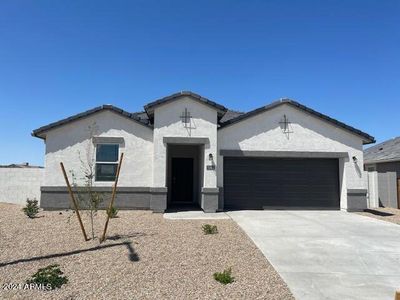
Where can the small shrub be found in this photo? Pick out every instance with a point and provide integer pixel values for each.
(49, 276)
(224, 277)
(112, 212)
(31, 209)
(209, 229)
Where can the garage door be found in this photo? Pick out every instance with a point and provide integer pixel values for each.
(256, 183)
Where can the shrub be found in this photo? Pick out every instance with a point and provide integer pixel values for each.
(209, 229)
(112, 212)
(49, 276)
(224, 277)
(31, 209)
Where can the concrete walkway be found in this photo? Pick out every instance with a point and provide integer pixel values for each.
(328, 254)
(195, 215)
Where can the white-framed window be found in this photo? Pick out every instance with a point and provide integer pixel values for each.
(106, 161)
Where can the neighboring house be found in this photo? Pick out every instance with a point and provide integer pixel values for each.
(19, 182)
(186, 150)
(384, 159)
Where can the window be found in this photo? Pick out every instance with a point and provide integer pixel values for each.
(106, 161)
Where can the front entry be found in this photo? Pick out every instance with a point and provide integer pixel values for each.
(182, 180)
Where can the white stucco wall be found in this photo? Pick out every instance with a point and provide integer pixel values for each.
(167, 123)
(264, 133)
(18, 184)
(67, 143)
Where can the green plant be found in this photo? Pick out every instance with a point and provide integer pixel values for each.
(87, 196)
(49, 276)
(112, 212)
(31, 209)
(224, 277)
(209, 229)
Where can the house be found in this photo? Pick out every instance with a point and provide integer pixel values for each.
(185, 150)
(384, 159)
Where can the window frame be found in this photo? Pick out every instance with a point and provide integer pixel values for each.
(101, 162)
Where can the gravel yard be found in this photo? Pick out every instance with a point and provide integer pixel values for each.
(145, 257)
(383, 213)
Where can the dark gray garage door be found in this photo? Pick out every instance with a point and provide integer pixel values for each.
(255, 183)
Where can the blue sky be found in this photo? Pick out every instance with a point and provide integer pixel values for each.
(58, 58)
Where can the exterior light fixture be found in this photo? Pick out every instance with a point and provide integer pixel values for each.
(355, 159)
(210, 157)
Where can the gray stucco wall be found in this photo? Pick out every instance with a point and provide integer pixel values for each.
(387, 189)
(54, 198)
(389, 167)
(18, 184)
(356, 199)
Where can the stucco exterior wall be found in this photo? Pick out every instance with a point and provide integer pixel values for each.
(71, 142)
(389, 167)
(18, 184)
(263, 132)
(167, 123)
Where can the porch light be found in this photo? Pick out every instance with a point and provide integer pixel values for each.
(355, 159)
(210, 157)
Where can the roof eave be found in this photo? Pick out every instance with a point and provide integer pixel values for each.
(149, 108)
(44, 129)
(367, 139)
(367, 162)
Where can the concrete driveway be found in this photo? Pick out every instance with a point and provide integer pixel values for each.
(328, 254)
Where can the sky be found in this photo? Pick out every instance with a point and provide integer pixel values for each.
(59, 58)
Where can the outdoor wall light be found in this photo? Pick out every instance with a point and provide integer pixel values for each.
(355, 159)
(210, 157)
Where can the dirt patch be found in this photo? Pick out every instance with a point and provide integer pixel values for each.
(145, 257)
(383, 213)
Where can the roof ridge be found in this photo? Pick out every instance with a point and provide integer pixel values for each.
(84, 114)
(304, 108)
(382, 143)
(185, 93)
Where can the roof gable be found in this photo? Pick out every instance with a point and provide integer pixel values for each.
(225, 117)
(149, 108)
(40, 132)
(366, 137)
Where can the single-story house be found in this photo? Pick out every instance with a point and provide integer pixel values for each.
(384, 158)
(186, 150)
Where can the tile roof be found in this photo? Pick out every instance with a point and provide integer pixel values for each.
(38, 132)
(21, 166)
(226, 117)
(386, 151)
(368, 139)
(229, 115)
(148, 107)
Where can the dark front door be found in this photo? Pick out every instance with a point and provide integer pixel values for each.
(182, 180)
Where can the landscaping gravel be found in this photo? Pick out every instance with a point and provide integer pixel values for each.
(145, 257)
(383, 213)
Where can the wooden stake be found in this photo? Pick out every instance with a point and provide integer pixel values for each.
(112, 198)
(73, 201)
(397, 295)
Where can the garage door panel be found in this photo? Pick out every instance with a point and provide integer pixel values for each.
(254, 183)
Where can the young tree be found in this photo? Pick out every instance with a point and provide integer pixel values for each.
(87, 197)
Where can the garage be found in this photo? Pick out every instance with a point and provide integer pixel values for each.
(281, 183)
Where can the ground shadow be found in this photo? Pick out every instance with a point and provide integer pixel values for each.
(378, 213)
(133, 256)
(117, 237)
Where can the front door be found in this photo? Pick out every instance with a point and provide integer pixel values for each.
(182, 180)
